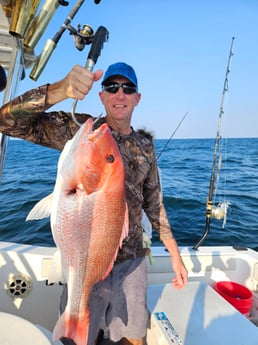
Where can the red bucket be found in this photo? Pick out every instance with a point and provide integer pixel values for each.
(237, 295)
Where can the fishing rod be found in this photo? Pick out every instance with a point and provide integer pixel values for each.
(172, 135)
(86, 33)
(218, 137)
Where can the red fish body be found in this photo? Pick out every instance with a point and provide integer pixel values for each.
(89, 220)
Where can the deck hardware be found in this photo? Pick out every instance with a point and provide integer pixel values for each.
(18, 285)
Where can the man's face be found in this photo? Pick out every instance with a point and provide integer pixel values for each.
(119, 105)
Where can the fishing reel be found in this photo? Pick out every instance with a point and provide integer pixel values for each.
(220, 211)
(82, 36)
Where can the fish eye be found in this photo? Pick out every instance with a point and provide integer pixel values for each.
(110, 159)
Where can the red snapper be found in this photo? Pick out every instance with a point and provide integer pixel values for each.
(89, 220)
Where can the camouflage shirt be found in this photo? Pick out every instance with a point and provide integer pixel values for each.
(26, 117)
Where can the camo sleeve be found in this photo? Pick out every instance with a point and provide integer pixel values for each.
(26, 117)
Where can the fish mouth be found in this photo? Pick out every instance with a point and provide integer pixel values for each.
(93, 135)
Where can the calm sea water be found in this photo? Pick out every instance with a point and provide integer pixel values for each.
(30, 171)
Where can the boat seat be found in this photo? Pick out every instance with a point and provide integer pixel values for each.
(194, 315)
(49, 335)
(15, 330)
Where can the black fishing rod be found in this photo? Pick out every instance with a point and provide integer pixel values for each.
(214, 164)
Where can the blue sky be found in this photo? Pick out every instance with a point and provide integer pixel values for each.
(179, 49)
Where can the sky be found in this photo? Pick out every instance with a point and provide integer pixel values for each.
(179, 50)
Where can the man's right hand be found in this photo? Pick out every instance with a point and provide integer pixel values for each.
(76, 84)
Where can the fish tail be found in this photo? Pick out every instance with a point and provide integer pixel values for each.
(73, 327)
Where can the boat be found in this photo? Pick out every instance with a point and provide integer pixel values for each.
(218, 306)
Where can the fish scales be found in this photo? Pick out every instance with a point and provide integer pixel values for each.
(95, 223)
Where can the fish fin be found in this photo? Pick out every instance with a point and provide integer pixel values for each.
(73, 327)
(124, 234)
(109, 268)
(125, 225)
(42, 209)
(55, 273)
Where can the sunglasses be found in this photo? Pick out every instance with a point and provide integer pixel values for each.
(113, 87)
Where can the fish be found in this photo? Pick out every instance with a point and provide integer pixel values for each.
(88, 218)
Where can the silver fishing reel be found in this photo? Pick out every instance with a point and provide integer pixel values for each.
(82, 36)
(220, 211)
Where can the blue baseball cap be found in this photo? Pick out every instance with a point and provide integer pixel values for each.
(121, 69)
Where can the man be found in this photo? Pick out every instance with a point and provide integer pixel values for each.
(121, 298)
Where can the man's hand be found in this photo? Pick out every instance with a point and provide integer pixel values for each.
(76, 84)
(181, 277)
(178, 265)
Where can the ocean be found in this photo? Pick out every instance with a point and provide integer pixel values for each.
(185, 164)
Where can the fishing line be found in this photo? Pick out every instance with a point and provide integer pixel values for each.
(221, 205)
(96, 119)
(172, 135)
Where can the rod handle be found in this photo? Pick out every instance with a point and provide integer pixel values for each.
(100, 37)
